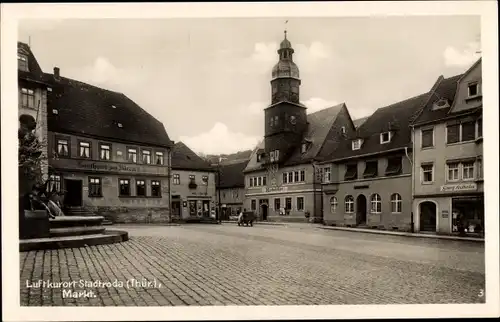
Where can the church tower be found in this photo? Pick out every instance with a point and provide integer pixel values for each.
(285, 118)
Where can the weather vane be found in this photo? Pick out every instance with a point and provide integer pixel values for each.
(285, 27)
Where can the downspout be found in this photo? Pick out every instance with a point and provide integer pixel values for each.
(169, 176)
(314, 190)
(412, 162)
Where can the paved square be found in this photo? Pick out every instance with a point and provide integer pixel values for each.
(260, 265)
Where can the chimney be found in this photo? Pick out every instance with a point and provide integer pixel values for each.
(56, 72)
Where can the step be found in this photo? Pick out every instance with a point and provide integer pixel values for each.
(298, 219)
(75, 221)
(106, 222)
(76, 231)
(108, 237)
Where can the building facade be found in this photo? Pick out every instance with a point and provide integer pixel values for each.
(231, 188)
(106, 154)
(448, 150)
(192, 185)
(367, 182)
(282, 180)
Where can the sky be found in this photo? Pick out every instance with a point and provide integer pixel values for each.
(208, 80)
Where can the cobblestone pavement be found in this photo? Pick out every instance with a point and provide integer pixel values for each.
(260, 265)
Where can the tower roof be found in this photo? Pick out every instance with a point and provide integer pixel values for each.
(285, 43)
(285, 67)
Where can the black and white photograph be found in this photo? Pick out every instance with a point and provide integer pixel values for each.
(278, 160)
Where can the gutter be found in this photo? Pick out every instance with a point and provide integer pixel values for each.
(363, 155)
(450, 117)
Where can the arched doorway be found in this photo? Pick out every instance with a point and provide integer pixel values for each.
(427, 211)
(263, 211)
(361, 210)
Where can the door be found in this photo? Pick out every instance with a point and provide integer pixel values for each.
(264, 208)
(176, 209)
(73, 196)
(427, 212)
(361, 210)
(206, 208)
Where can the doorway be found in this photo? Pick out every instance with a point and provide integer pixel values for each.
(176, 208)
(361, 210)
(263, 209)
(427, 211)
(73, 195)
(206, 208)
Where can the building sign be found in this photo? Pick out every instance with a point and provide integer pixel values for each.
(459, 187)
(87, 165)
(444, 213)
(107, 167)
(275, 189)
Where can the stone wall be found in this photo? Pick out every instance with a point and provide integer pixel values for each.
(133, 215)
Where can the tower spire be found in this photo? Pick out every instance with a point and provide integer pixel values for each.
(285, 27)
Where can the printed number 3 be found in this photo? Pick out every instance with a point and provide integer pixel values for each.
(481, 293)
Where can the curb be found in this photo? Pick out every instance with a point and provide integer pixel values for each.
(382, 232)
(257, 223)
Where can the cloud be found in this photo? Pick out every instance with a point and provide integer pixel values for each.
(462, 57)
(315, 104)
(220, 139)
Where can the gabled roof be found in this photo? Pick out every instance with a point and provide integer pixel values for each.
(183, 158)
(394, 117)
(360, 121)
(34, 72)
(252, 164)
(90, 110)
(232, 176)
(446, 89)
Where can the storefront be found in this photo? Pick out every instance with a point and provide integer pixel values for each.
(468, 214)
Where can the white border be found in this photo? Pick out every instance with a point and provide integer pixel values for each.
(10, 286)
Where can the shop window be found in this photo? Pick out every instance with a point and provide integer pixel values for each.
(427, 173)
(62, 148)
(300, 203)
(333, 205)
(394, 166)
(105, 152)
(27, 98)
(376, 203)
(288, 203)
(427, 138)
(95, 187)
(371, 169)
(396, 203)
(140, 186)
(155, 188)
(349, 204)
(453, 171)
(468, 170)
(132, 155)
(176, 179)
(84, 150)
(351, 172)
(124, 187)
(146, 156)
(159, 158)
(192, 207)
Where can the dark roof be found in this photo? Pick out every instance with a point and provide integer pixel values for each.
(359, 122)
(90, 110)
(183, 158)
(232, 176)
(230, 158)
(446, 89)
(34, 72)
(394, 117)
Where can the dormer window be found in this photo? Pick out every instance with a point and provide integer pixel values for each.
(356, 144)
(119, 125)
(385, 137)
(342, 130)
(442, 103)
(22, 62)
(473, 89)
(259, 157)
(55, 112)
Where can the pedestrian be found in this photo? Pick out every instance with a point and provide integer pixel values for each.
(240, 216)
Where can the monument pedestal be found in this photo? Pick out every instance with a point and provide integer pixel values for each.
(34, 224)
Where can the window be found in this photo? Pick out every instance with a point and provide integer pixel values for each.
(285, 177)
(479, 162)
(140, 188)
(468, 170)
(427, 138)
(349, 204)
(288, 203)
(356, 144)
(296, 176)
(371, 169)
(277, 204)
(385, 137)
(302, 175)
(27, 98)
(192, 177)
(204, 180)
(427, 173)
(132, 155)
(473, 89)
(452, 133)
(146, 156)
(293, 119)
(290, 177)
(468, 131)
(259, 181)
(176, 179)
(105, 152)
(55, 183)
(159, 158)
(62, 148)
(300, 203)
(376, 202)
(480, 127)
(351, 172)
(394, 166)
(396, 203)
(124, 187)
(453, 171)
(155, 188)
(250, 182)
(84, 150)
(264, 181)
(22, 62)
(333, 205)
(327, 175)
(271, 121)
(253, 205)
(276, 120)
(276, 155)
(95, 187)
(342, 130)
